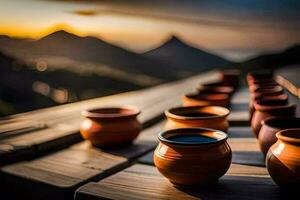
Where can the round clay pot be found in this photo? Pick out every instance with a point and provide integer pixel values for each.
(230, 77)
(270, 126)
(282, 99)
(259, 76)
(192, 156)
(283, 159)
(109, 127)
(215, 90)
(263, 93)
(198, 116)
(269, 108)
(255, 87)
(197, 99)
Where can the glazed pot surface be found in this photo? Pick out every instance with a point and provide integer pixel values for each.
(283, 158)
(111, 127)
(267, 134)
(187, 161)
(197, 116)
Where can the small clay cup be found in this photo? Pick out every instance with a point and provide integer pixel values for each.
(197, 163)
(283, 159)
(282, 99)
(259, 76)
(255, 87)
(214, 117)
(110, 127)
(196, 99)
(269, 108)
(215, 90)
(270, 126)
(230, 77)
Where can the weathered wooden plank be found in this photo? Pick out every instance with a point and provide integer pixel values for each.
(144, 182)
(57, 175)
(61, 123)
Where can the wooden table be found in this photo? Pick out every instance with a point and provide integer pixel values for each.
(54, 162)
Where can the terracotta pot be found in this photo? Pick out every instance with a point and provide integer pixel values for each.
(269, 108)
(188, 162)
(202, 99)
(230, 77)
(283, 159)
(217, 83)
(108, 127)
(259, 76)
(255, 87)
(215, 90)
(263, 93)
(282, 99)
(198, 116)
(270, 126)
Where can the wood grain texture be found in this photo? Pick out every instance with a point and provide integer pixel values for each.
(57, 175)
(57, 127)
(144, 183)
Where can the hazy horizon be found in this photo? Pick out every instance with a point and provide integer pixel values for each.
(235, 29)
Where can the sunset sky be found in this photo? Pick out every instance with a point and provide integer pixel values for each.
(246, 25)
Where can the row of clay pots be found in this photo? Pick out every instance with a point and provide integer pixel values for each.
(216, 94)
(197, 128)
(272, 119)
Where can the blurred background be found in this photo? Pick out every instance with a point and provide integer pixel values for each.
(54, 52)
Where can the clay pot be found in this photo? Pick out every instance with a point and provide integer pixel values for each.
(269, 108)
(283, 159)
(230, 77)
(202, 99)
(255, 87)
(259, 76)
(215, 90)
(270, 126)
(198, 116)
(192, 162)
(282, 99)
(108, 127)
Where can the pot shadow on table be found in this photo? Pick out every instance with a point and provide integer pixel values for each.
(241, 187)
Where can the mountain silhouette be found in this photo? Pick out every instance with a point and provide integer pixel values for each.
(273, 61)
(183, 56)
(89, 49)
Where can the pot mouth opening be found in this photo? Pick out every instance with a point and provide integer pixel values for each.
(269, 89)
(272, 102)
(289, 135)
(215, 89)
(283, 122)
(273, 96)
(111, 112)
(192, 136)
(197, 112)
(208, 96)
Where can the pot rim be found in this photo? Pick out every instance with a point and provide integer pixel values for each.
(269, 89)
(215, 89)
(193, 131)
(169, 113)
(266, 108)
(275, 96)
(286, 135)
(92, 112)
(203, 96)
(267, 121)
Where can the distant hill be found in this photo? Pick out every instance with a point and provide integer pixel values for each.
(273, 61)
(182, 56)
(87, 49)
